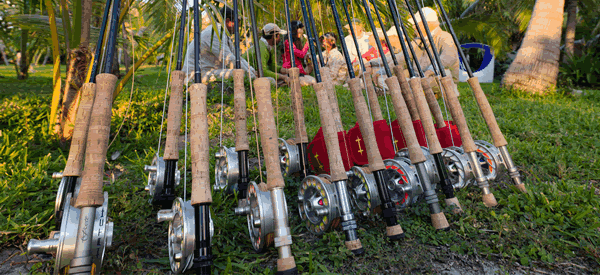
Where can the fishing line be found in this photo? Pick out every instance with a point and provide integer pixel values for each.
(222, 73)
(185, 134)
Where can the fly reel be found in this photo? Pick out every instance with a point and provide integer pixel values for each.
(459, 168)
(363, 190)
(181, 235)
(490, 158)
(227, 169)
(259, 214)
(157, 178)
(61, 194)
(289, 157)
(63, 242)
(404, 185)
(318, 204)
(430, 167)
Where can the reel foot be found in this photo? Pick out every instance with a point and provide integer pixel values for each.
(395, 233)
(457, 207)
(439, 221)
(489, 200)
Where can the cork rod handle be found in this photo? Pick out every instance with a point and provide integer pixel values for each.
(366, 126)
(239, 103)
(457, 115)
(434, 106)
(330, 88)
(427, 121)
(373, 101)
(414, 150)
(406, 93)
(90, 193)
(80, 131)
(199, 145)
(174, 116)
(268, 133)
(329, 132)
(486, 111)
(298, 106)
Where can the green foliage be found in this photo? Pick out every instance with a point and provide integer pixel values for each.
(582, 70)
(557, 221)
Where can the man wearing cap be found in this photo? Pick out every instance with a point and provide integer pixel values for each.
(443, 42)
(362, 38)
(270, 37)
(217, 58)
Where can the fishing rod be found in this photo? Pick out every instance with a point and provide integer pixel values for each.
(266, 208)
(435, 148)
(70, 177)
(468, 144)
(394, 230)
(63, 241)
(72, 244)
(324, 210)
(163, 173)
(486, 110)
(190, 223)
(437, 215)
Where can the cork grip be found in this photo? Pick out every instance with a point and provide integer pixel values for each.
(239, 104)
(427, 121)
(329, 132)
(373, 101)
(457, 115)
(82, 123)
(434, 106)
(333, 102)
(402, 113)
(298, 109)
(366, 126)
(199, 145)
(268, 133)
(90, 192)
(174, 116)
(406, 93)
(487, 112)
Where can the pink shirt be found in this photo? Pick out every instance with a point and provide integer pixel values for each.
(298, 54)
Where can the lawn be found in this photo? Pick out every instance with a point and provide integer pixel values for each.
(553, 228)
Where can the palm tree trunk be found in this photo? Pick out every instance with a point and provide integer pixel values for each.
(535, 67)
(23, 71)
(570, 31)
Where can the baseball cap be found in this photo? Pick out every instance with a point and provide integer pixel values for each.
(430, 16)
(272, 28)
(354, 21)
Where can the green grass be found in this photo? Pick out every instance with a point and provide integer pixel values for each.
(553, 139)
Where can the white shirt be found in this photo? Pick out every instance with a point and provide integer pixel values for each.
(363, 45)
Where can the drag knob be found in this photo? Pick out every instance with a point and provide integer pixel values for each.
(165, 215)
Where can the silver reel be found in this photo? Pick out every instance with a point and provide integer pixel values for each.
(459, 168)
(259, 214)
(156, 176)
(63, 242)
(363, 190)
(227, 169)
(430, 167)
(490, 158)
(289, 157)
(182, 234)
(318, 204)
(61, 195)
(404, 184)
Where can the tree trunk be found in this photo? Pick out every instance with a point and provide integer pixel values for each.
(86, 16)
(570, 31)
(535, 67)
(75, 79)
(23, 62)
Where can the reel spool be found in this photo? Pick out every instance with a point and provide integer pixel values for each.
(61, 196)
(318, 204)
(430, 167)
(404, 185)
(459, 169)
(181, 235)
(227, 169)
(259, 214)
(289, 157)
(156, 177)
(63, 242)
(490, 158)
(363, 190)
